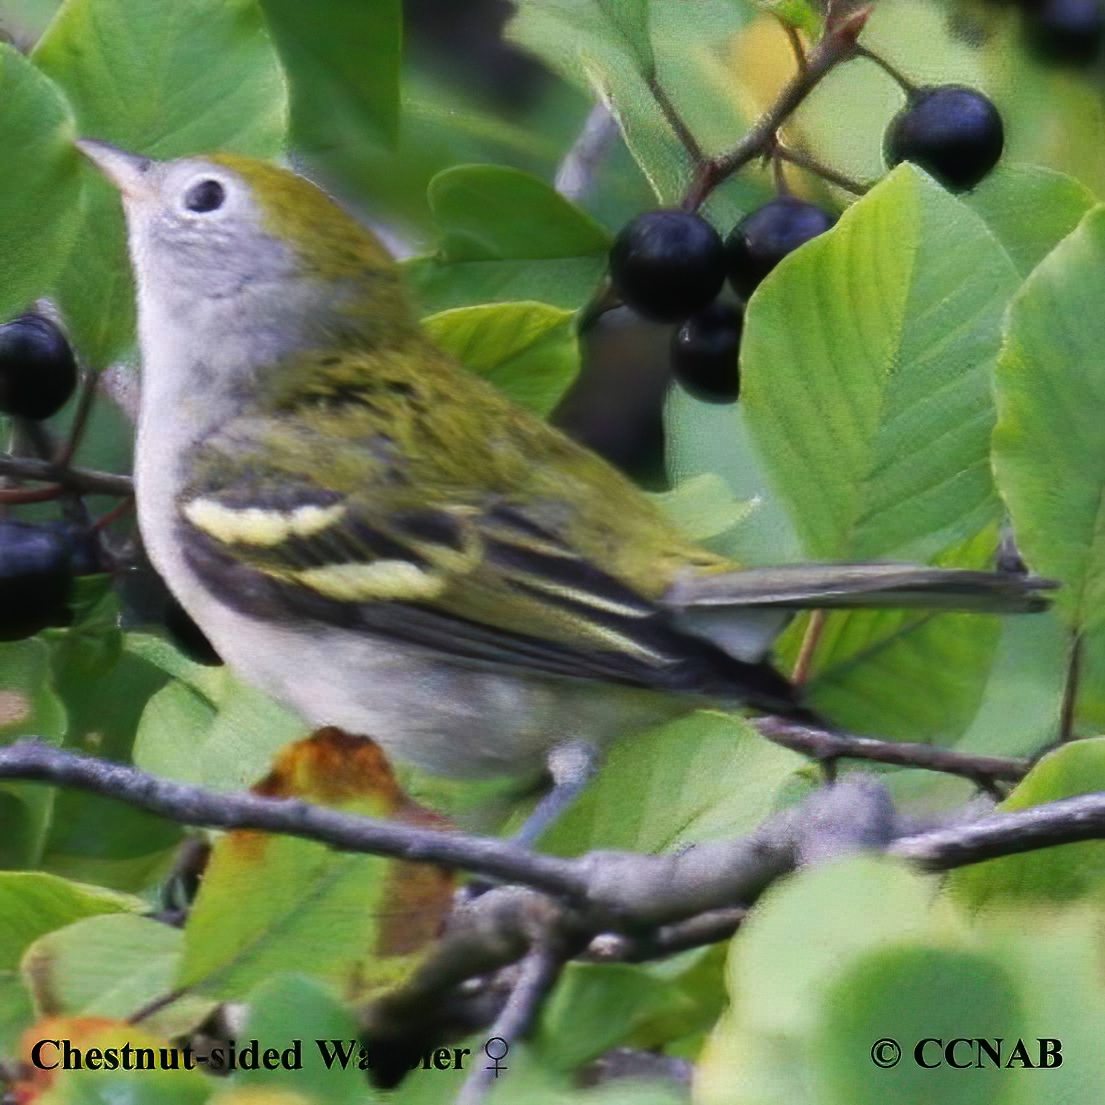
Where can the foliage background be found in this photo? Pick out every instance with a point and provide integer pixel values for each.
(877, 362)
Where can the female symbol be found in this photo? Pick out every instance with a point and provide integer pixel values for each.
(499, 1043)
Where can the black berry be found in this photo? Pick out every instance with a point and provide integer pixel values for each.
(765, 236)
(952, 132)
(37, 370)
(667, 264)
(188, 637)
(35, 574)
(704, 353)
(1068, 32)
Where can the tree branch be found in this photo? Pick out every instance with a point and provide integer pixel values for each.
(1006, 834)
(74, 479)
(836, 46)
(192, 805)
(539, 971)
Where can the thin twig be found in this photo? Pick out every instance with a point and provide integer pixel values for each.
(810, 639)
(538, 974)
(73, 479)
(796, 45)
(823, 745)
(838, 45)
(120, 510)
(903, 82)
(1006, 834)
(17, 496)
(812, 165)
(1070, 689)
(80, 420)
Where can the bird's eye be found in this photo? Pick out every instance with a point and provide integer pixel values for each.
(207, 195)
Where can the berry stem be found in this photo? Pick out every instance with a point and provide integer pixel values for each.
(80, 420)
(796, 45)
(814, 628)
(906, 85)
(18, 496)
(119, 510)
(1070, 689)
(836, 46)
(812, 165)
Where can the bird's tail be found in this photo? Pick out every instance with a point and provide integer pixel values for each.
(742, 612)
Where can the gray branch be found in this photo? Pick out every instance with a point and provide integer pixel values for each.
(75, 479)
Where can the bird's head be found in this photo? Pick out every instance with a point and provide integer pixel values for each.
(223, 239)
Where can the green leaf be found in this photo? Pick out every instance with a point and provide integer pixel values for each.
(527, 350)
(580, 40)
(342, 61)
(630, 19)
(289, 1007)
(566, 282)
(715, 439)
(495, 213)
(866, 363)
(505, 235)
(105, 690)
(781, 966)
(112, 966)
(703, 506)
(33, 903)
(904, 674)
(221, 734)
(1029, 210)
(1060, 874)
(596, 1006)
(29, 705)
(165, 78)
(40, 189)
(706, 776)
(794, 13)
(1049, 443)
(910, 994)
(357, 922)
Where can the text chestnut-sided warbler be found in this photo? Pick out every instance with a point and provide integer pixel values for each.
(383, 541)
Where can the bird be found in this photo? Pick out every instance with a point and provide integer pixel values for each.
(381, 540)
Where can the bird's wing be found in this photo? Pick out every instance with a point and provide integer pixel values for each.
(471, 575)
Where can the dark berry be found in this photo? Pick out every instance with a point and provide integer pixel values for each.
(953, 133)
(667, 264)
(35, 574)
(188, 637)
(704, 353)
(765, 236)
(37, 370)
(1067, 32)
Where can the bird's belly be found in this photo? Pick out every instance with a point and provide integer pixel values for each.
(447, 717)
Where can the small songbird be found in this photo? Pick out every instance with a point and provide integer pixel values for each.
(382, 540)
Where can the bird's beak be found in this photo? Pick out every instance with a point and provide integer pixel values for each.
(127, 171)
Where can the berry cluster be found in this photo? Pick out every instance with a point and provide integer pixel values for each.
(38, 374)
(670, 266)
